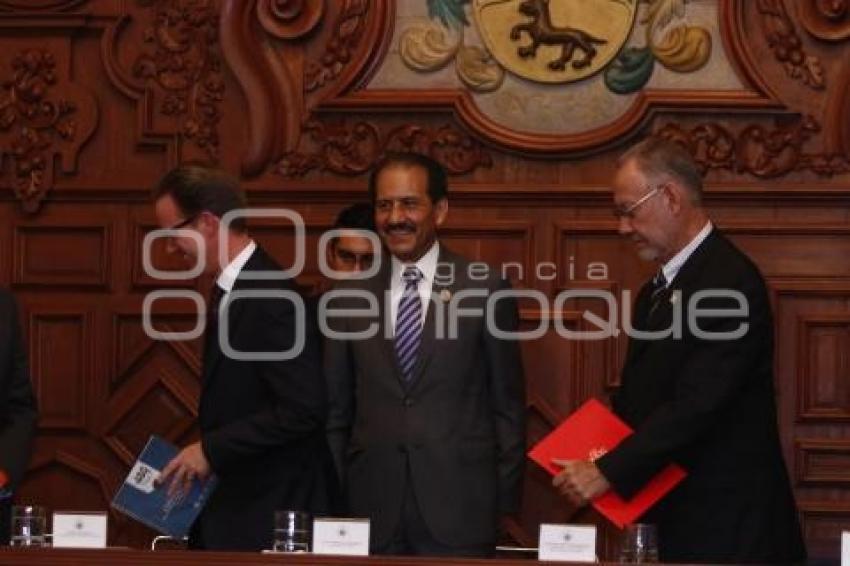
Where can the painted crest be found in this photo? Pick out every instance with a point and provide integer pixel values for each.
(554, 41)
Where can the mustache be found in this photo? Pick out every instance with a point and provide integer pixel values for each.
(400, 227)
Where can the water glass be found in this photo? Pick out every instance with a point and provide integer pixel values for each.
(29, 525)
(293, 531)
(640, 544)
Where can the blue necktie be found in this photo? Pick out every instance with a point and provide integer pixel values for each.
(408, 322)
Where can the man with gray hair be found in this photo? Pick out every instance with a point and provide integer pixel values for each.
(703, 399)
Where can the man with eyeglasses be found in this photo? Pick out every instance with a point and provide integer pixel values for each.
(262, 420)
(703, 400)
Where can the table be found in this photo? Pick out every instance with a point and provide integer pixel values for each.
(127, 557)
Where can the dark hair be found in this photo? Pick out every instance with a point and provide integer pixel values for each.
(360, 216)
(438, 185)
(656, 156)
(196, 189)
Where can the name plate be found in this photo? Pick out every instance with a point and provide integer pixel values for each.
(567, 543)
(845, 548)
(347, 537)
(79, 530)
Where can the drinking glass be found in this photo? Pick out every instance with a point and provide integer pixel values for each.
(292, 531)
(640, 544)
(29, 525)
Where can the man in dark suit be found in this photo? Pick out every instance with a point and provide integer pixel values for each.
(703, 399)
(427, 428)
(18, 413)
(262, 417)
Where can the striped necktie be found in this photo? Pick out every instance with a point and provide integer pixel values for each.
(408, 322)
(659, 286)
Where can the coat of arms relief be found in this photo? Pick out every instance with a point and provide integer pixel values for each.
(556, 41)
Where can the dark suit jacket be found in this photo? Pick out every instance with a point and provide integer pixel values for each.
(262, 422)
(18, 412)
(458, 427)
(709, 406)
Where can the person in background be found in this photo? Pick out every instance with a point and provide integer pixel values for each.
(18, 410)
(351, 251)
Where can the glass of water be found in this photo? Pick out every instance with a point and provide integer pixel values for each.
(640, 544)
(29, 526)
(293, 531)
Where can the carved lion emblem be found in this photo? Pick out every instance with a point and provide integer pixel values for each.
(554, 41)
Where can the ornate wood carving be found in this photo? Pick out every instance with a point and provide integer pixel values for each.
(41, 116)
(183, 63)
(826, 19)
(352, 149)
(786, 45)
(348, 31)
(274, 104)
(287, 19)
(756, 150)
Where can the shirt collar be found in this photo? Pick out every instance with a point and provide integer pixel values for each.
(228, 275)
(672, 267)
(427, 264)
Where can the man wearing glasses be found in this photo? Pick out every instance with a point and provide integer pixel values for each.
(703, 401)
(262, 421)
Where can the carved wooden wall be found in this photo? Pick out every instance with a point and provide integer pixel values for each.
(100, 97)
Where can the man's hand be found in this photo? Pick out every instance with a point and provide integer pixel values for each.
(579, 481)
(189, 464)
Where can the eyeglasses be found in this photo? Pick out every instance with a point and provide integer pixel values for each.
(183, 223)
(629, 211)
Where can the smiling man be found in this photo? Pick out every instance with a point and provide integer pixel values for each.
(428, 430)
(262, 421)
(705, 402)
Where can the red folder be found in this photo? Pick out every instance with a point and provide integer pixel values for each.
(586, 435)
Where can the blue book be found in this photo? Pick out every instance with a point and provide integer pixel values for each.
(145, 501)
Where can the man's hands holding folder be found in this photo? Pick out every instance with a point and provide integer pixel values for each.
(579, 481)
(189, 464)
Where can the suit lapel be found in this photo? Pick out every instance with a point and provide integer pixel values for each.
(682, 286)
(213, 353)
(380, 286)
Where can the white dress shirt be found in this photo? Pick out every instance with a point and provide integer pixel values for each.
(672, 267)
(228, 275)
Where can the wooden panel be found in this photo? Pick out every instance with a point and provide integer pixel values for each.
(824, 377)
(810, 251)
(822, 526)
(56, 256)
(823, 462)
(505, 245)
(61, 352)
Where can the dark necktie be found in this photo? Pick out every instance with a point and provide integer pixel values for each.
(216, 295)
(408, 322)
(659, 288)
